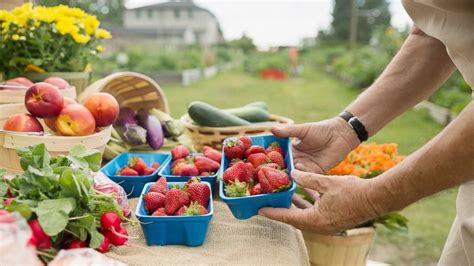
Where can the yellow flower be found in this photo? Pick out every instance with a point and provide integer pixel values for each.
(15, 37)
(80, 38)
(91, 24)
(33, 68)
(66, 26)
(100, 48)
(103, 34)
(5, 15)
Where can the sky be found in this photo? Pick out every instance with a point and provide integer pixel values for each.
(276, 22)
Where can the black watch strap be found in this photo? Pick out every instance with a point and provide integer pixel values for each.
(355, 124)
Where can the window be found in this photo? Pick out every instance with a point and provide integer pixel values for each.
(176, 13)
(150, 13)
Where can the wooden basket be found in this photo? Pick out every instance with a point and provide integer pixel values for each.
(18, 96)
(56, 145)
(79, 80)
(214, 136)
(350, 249)
(131, 89)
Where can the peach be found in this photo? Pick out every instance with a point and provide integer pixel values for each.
(23, 123)
(12, 83)
(23, 81)
(60, 83)
(75, 120)
(44, 100)
(51, 121)
(104, 107)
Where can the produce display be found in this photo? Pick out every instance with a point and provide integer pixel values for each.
(189, 200)
(186, 164)
(22, 83)
(253, 169)
(137, 167)
(207, 115)
(58, 198)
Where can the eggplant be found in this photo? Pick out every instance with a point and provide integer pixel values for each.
(154, 131)
(171, 128)
(127, 116)
(128, 128)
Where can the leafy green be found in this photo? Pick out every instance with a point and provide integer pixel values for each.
(85, 158)
(3, 188)
(53, 214)
(21, 208)
(36, 156)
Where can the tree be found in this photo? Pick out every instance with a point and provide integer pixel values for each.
(245, 44)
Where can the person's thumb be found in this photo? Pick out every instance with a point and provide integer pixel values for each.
(297, 131)
(320, 183)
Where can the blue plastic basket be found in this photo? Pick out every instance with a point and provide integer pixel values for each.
(133, 185)
(246, 207)
(173, 230)
(166, 171)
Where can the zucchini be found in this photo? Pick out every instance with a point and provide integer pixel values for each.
(252, 114)
(260, 104)
(207, 115)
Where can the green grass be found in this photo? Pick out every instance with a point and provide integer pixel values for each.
(316, 96)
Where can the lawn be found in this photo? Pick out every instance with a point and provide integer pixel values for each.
(313, 97)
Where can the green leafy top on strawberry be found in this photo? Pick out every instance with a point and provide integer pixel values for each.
(236, 189)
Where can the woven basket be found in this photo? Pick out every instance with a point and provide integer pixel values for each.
(214, 136)
(350, 249)
(79, 80)
(56, 145)
(18, 96)
(131, 89)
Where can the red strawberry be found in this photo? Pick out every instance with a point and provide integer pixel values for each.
(160, 186)
(256, 190)
(257, 159)
(237, 172)
(193, 209)
(153, 201)
(236, 189)
(148, 171)
(277, 158)
(180, 212)
(179, 152)
(155, 165)
(212, 154)
(234, 149)
(204, 174)
(200, 193)
(250, 172)
(272, 165)
(204, 164)
(127, 171)
(272, 180)
(177, 162)
(160, 212)
(254, 149)
(275, 146)
(247, 141)
(138, 165)
(175, 199)
(234, 161)
(191, 181)
(189, 170)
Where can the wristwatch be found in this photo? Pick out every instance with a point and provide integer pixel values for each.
(355, 124)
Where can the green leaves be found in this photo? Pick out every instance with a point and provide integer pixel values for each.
(53, 214)
(36, 156)
(84, 158)
(75, 183)
(84, 225)
(394, 222)
(22, 208)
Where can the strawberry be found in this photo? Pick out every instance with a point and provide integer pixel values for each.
(192, 180)
(257, 159)
(250, 172)
(160, 186)
(155, 165)
(204, 164)
(179, 152)
(234, 161)
(177, 162)
(234, 149)
(237, 172)
(189, 170)
(272, 165)
(181, 211)
(200, 193)
(212, 154)
(275, 146)
(127, 171)
(236, 189)
(256, 190)
(277, 158)
(254, 149)
(153, 201)
(148, 171)
(138, 165)
(175, 199)
(204, 174)
(272, 180)
(247, 141)
(160, 212)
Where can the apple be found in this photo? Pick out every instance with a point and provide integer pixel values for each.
(43, 100)
(104, 107)
(75, 120)
(51, 121)
(23, 123)
(60, 83)
(23, 81)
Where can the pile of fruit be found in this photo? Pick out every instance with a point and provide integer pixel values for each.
(187, 164)
(254, 169)
(192, 199)
(62, 115)
(22, 83)
(137, 167)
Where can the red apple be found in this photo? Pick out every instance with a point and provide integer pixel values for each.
(104, 107)
(23, 123)
(43, 100)
(23, 81)
(60, 83)
(75, 120)
(51, 121)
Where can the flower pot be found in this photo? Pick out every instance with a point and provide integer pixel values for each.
(79, 80)
(352, 248)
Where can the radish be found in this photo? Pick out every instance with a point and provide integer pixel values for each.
(117, 237)
(110, 220)
(104, 246)
(43, 240)
(8, 201)
(75, 244)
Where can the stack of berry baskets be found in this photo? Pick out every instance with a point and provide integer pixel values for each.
(256, 174)
(185, 165)
(175, 213)
(133, 170)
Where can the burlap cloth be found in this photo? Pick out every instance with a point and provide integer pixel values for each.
(256, 241)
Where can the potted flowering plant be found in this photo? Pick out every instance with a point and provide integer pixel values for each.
(352, 246)
(44, 41)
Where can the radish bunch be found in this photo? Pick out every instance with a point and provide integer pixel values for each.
(112, 230)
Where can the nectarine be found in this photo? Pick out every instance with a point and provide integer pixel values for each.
(23, 81)
(43, 100)
(75, 120)
(60, 83)
(104, 107)
(23, 123)
(51, 121)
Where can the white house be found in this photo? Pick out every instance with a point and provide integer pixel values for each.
(174, 22)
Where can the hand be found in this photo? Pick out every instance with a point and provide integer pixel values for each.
(321, 145)
(342, 203)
